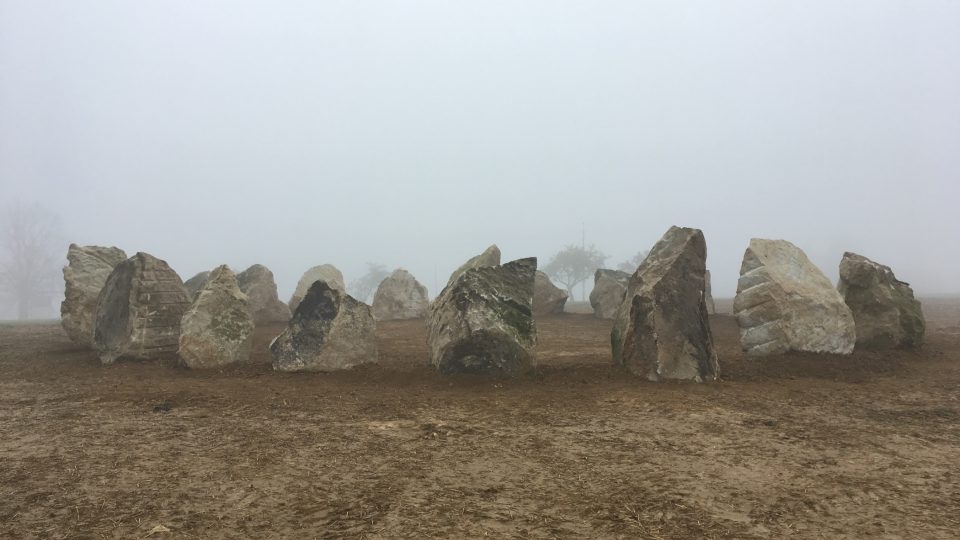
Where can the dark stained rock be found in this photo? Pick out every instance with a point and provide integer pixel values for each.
(662, 330)
(483, 321)
(327, 273)
(609, 286)
(194, 284)
(548, 299)
(884, 309)
(87, 270)
(217, 330)
(139, 310)
(400, 296)
(258, 284)
(330, 330)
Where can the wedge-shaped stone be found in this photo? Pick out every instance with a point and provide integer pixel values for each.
(886, 313)
(548, 299)
(489, 257)
(87, 270)
(609, 286)
(258, 284)
(327, 273)
(217, 330)
(400, 296)
(662, 329)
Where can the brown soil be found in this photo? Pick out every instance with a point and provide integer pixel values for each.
(807, 446)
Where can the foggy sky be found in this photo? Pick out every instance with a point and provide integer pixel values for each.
(417, 133)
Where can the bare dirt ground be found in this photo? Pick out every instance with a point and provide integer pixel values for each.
(803, 446)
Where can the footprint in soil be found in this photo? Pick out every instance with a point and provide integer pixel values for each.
(163, 407)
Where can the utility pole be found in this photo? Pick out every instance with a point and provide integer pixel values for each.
(583, 246)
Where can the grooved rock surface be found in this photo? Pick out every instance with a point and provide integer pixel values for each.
(217, 330)
(194, 284)
(785, 303)
(400, 296)
(609, 286)
(489, 257)
(884, 309)
(327, 273)
(330, 330)
(139, 310)
(708, 293)
(87, 270)
(548, 299)
(662, 329)
(483, 322)
(258, 284)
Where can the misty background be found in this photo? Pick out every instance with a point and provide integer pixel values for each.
(415, 134)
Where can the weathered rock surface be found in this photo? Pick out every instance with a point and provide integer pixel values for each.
(708, 293)
(327, 273)
(884, 309)
(217, 330)
(330, 330)
(483, 322)
(785, 303)
(258, 284)
(609, 286)
(489, 257)
(87, 270)
(194, 284)
(662, 329)
(548, 299)
(400, 296)
(139, 310)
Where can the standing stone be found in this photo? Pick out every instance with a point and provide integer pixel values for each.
(88, 268)
(785, 303)
(662, 330)
(483, 322)
(327, 273)
(194, 284)
(217, 330)
(609, 286)
(708, 292)
(884, 309)
(400, 296)
(330, 330)
(139, 310)
(258, 284)
(548, 299)
(489, 257)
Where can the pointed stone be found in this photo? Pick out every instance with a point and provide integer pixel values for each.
(489, 257)
(139, 310)
(258, 284)
(785, 303)
(327, 273)
(400, 296)
(609, 286)
(87, 270)
(194, 284)
(330, 330)
(483, 321)
(548, 299)
(662, 330)
(217, 330)
(885, 311)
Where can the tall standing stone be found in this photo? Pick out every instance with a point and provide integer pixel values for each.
(483, 321)
(139, 310)
(662, 329)
(400, 296)
(708, 293)
(330, 330)
(548, 299)
(258, 284)
(217, 330)
(87, 270)
(785, 303)
(194, 284)
(489, 257)
(609, 286)
(884, 308)
(327, 273)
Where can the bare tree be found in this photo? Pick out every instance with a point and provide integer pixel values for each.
(574, 264)
(30, 256)
(364, 287)
(630, 265)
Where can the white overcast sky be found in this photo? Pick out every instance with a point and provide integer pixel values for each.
(416, 133)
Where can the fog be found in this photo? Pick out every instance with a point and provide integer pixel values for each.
(415, 134)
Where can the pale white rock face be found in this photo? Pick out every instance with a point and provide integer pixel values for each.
(87, 270)
(489, 257)
(329, 331)
(327, 273)
(609, 286)
(785, 303)
(400, 296)
(139, 310)
(217, 330)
